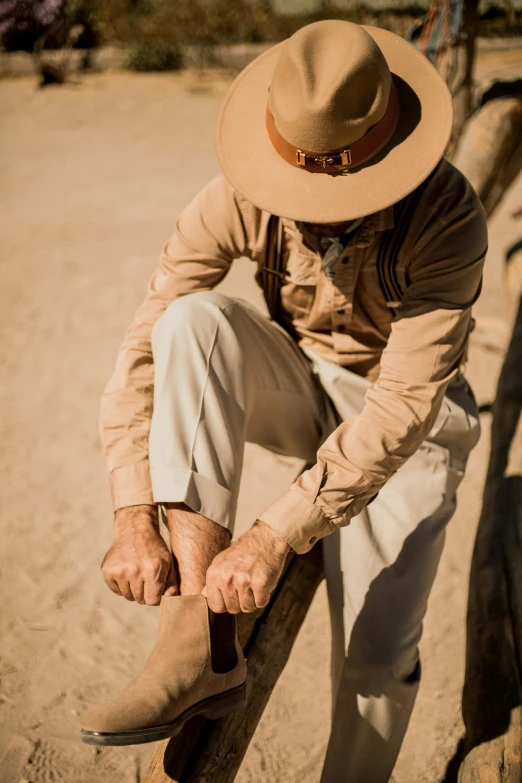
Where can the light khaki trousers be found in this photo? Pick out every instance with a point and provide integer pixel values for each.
(225, 375)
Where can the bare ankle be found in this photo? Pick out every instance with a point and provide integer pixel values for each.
(195, 542)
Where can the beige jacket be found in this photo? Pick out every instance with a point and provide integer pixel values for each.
(410, 353)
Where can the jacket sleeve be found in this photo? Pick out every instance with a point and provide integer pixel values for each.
(427, 344)
(208, 235)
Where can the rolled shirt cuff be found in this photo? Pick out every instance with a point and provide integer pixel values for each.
(131, 486)
(298, 521)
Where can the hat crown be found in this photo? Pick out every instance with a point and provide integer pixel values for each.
(330, 85)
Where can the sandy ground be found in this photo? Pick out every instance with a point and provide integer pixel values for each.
(92, 177)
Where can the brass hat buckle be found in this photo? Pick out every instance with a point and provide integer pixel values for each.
(343, 158)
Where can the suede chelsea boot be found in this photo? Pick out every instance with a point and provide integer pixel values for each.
(177, 682)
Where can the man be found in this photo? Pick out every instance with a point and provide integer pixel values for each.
(340, 131)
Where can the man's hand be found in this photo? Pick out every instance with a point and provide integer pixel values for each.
(139, 565)
(242, 577)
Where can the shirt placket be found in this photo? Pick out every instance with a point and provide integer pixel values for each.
(342, 299)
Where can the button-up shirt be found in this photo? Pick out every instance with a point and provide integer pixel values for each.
(410, 353)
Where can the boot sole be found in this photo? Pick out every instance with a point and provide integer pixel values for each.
(213, 708)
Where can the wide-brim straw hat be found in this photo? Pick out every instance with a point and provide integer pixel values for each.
(338, 121)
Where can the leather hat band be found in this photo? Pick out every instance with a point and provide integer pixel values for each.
(343, 158)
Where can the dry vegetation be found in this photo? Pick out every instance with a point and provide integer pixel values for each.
(164, 26)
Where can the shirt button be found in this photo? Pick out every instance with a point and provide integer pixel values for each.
(341, 328)
(313, 540)
(345, 261)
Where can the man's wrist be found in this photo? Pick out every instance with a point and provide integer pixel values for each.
(276, 540)
(145, 516)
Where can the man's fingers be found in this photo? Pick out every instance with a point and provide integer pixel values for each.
(152, 592)
(214, 599)
(155, 586)
(261, 594)
(244, 592)
(231, 599)
(138, 590)
(125, 590)
(171, 582)
(247, 602)
(212, 591)
(262, 599)
(110, 580)
(113, 585)
(221, 580)
(231, 592)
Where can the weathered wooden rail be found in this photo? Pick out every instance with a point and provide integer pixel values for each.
(490, 148)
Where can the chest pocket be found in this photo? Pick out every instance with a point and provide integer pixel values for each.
(299, 284)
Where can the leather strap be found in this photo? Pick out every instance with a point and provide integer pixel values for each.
(344, 158)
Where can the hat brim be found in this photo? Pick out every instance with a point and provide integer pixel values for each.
(258, 173)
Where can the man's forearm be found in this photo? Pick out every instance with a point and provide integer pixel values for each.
(142, 514)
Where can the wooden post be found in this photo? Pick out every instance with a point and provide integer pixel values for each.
(461, 77)
(211, 751)
(513, 277)
(453, 53)
(490, 149)
(492, 697)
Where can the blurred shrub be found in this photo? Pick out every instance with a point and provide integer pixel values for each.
(205, 23)
(155, 57)
(192, 22)
(499, 21)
